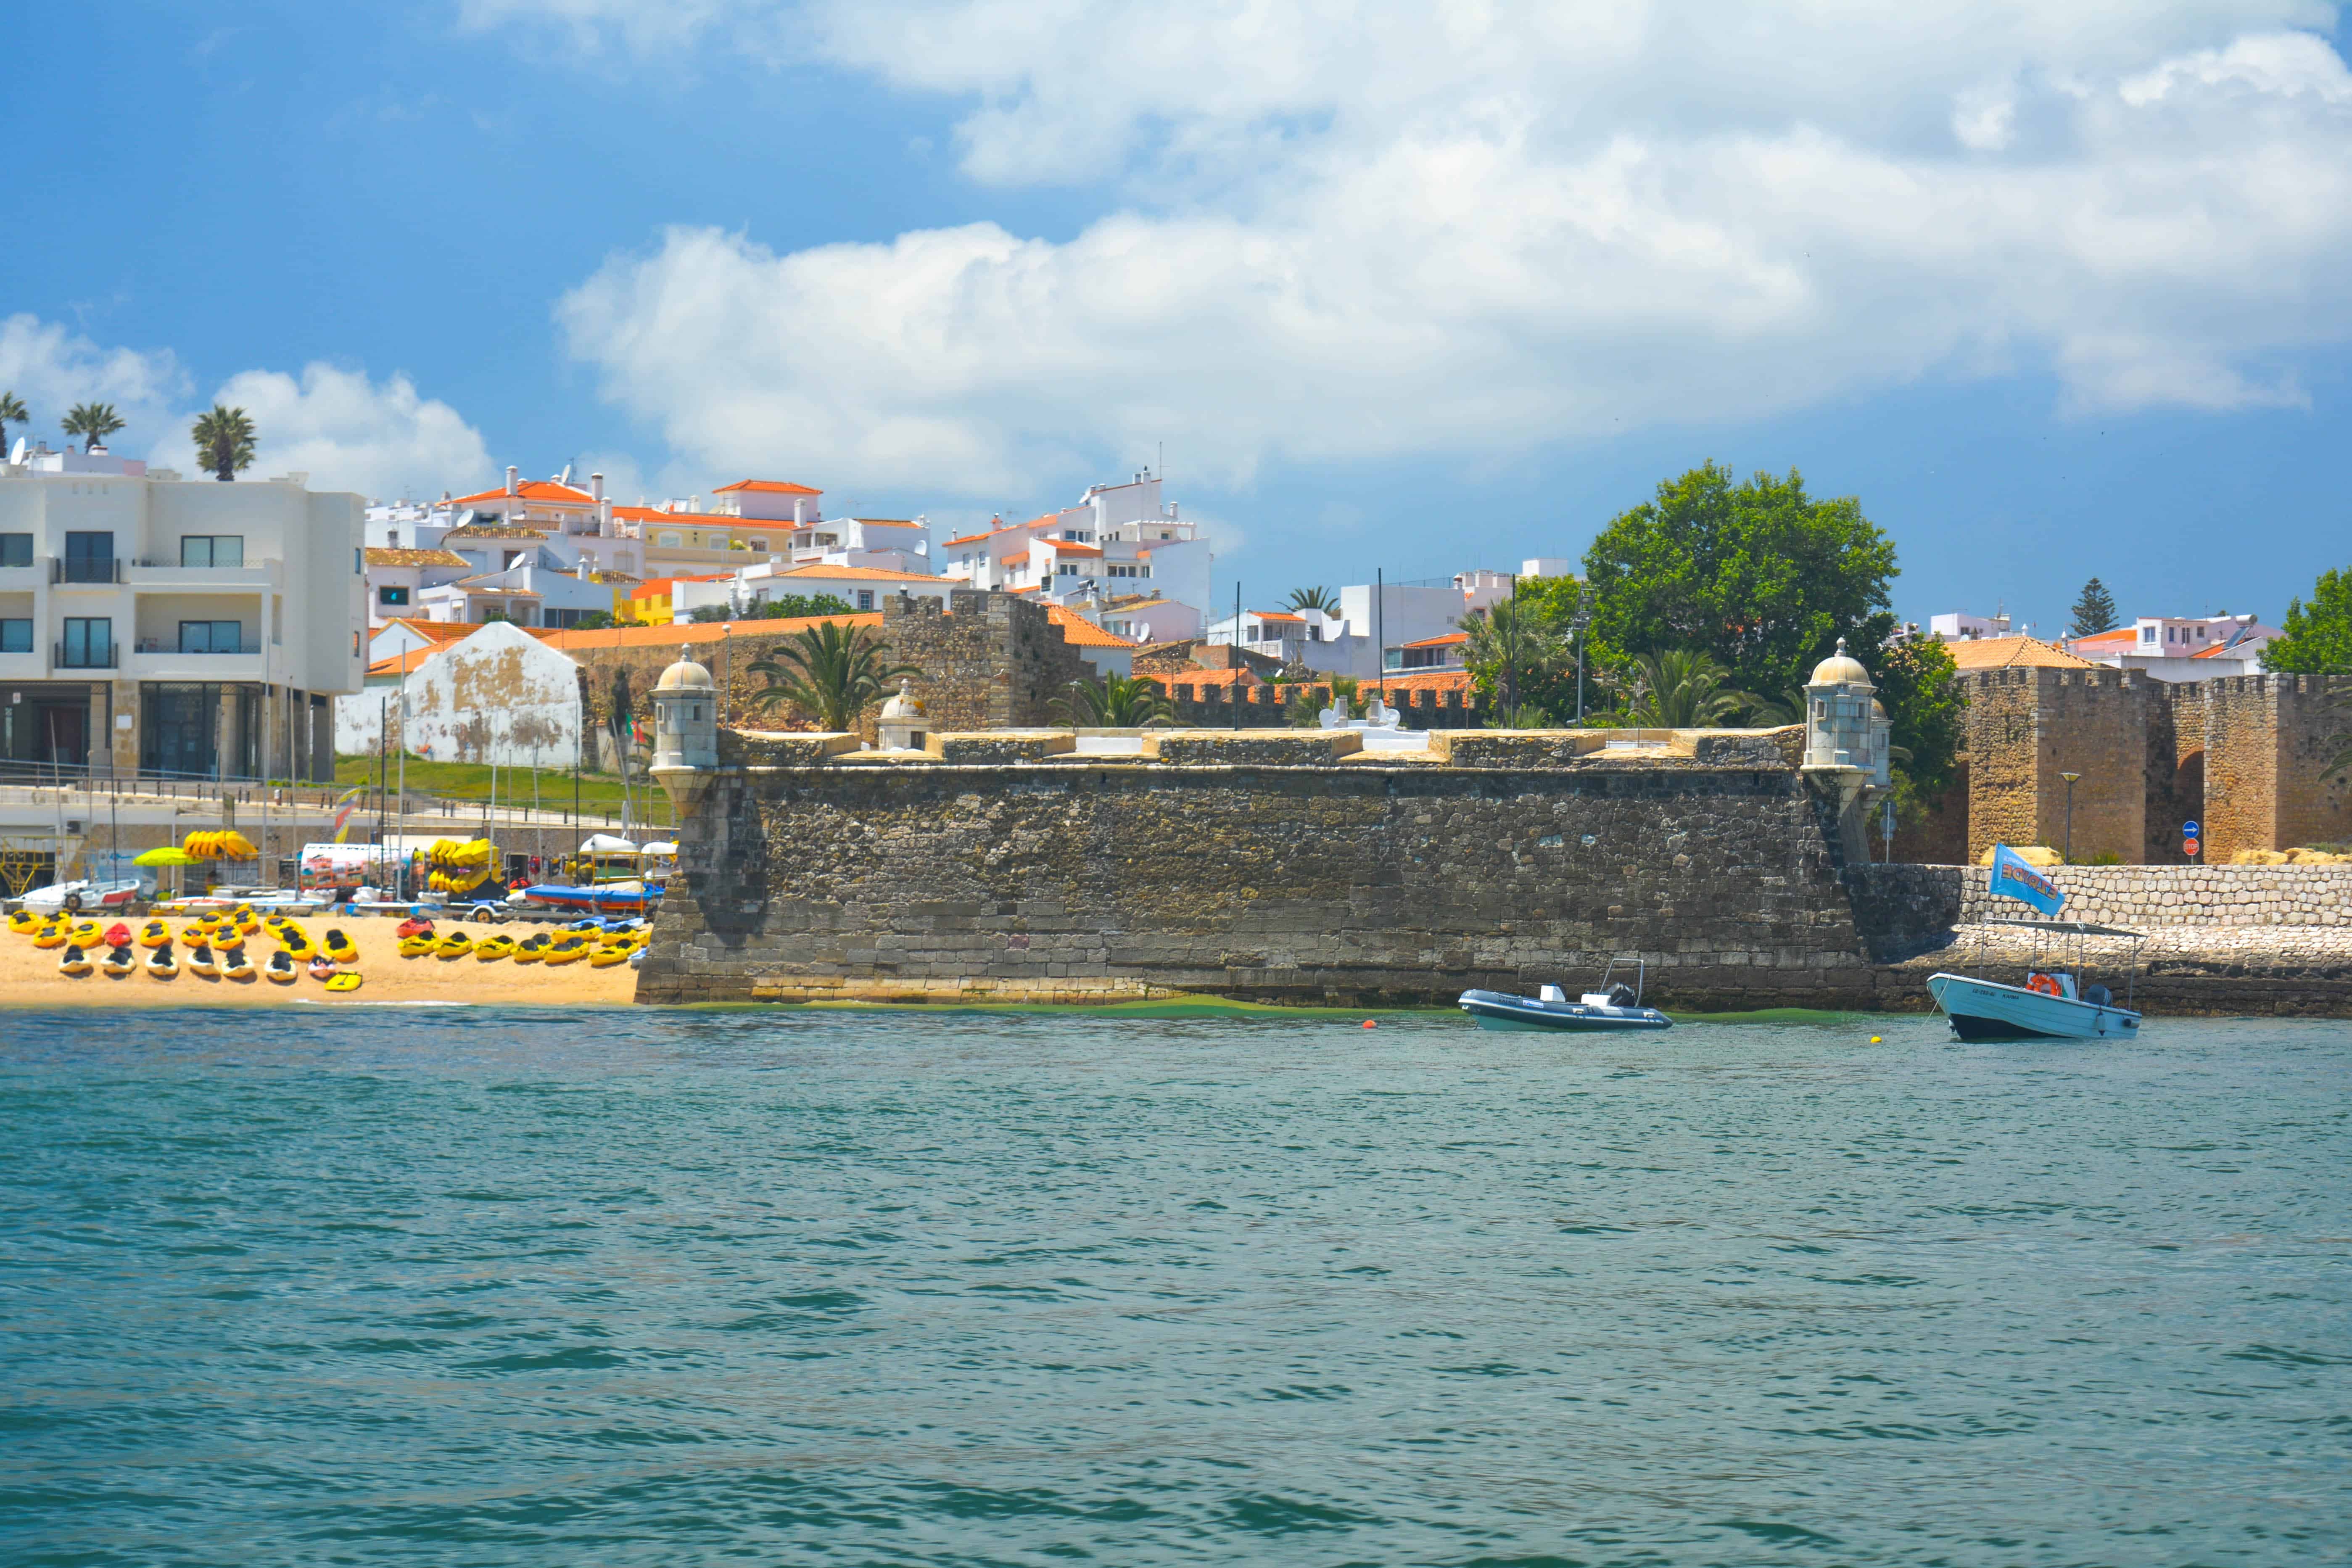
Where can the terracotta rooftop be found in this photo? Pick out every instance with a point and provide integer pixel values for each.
(1079, 631)
(768, 486)
(2013, 653)
(529, 490)
(415, 558)
(433, 631)
(695, 632)
(1448, 640)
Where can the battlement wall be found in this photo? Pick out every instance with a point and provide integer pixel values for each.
(1276, 866)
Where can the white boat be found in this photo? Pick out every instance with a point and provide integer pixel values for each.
(1612, 1009)
(2051, 1005)
(75, 897)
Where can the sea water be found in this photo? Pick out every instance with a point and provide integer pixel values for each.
(480, 1287)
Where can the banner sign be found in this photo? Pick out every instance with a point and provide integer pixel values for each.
(2013, 877)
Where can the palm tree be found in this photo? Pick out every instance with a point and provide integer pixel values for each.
(1680, 688)
(12, 412)
(93, 422)
(1114, 702)
(1511, 639)
(1323, 599)
(223, 441)
(830, 670)
(1773, 712)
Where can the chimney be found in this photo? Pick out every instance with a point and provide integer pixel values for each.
(596, 487)
(605, 515)
(514, 480)
(799, 510)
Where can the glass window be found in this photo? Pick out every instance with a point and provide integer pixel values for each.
(16, 636)
(212, 549)
(89, 558)
(210, 636)
(388, 594)
(90, 641)
(16, 550)
(865, 598)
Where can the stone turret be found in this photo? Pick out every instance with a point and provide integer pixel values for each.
(686, 730)
(1847, 737)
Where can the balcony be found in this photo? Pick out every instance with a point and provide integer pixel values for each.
(150, 572)
(84, 658)
(95, 569)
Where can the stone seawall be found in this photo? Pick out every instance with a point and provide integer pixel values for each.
(1353, 882)
(1905, 903)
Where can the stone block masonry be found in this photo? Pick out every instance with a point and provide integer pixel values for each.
(1343, 880)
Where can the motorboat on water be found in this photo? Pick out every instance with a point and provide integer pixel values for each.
(2051, 1003)
(1613, 1008)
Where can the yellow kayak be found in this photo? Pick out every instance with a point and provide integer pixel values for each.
(348, 980)
(491, 949)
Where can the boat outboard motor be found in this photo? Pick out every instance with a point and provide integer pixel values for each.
(2098, 996)
(1621, 994)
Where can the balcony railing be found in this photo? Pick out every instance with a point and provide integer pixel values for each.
(84, 658)
(156, 645)
(86, 569)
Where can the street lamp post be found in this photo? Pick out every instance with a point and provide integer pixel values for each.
(2070, 779)
(1576, 627)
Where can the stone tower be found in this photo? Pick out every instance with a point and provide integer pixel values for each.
(1847, 734)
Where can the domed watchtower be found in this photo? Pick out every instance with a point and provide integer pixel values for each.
(685, 717)
(1847, 735)
(903, 726)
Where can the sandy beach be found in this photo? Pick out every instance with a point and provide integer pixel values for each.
(29, 977)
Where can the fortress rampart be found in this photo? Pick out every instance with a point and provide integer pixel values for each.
(1275, 866)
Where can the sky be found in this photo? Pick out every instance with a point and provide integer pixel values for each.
(2056, 287)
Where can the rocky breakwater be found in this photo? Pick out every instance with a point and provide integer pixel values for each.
(1278, 865)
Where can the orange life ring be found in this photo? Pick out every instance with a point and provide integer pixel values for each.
(2045, 983)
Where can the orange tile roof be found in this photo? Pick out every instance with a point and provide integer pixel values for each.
(1079, 631)
(415, 558)
(1424, 680)
(2013, 653)
(2127, 636)
(1277, 615)
(1448, 640)
(529, 490)
(768, 486)
(973, 538)
(402, 663)
(1071, 547)
(432, 631)
(695, 631)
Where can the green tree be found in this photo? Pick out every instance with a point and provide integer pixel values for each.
(1323, 599)
(1759, 576)
(1114, 702)
(802, 606)
(1678, 688)
(2095, 612)
(12, 412)
(830, 671)
(93, 422)
(2318, 634)
(1918, 686)
(708, 613)
(224, 439)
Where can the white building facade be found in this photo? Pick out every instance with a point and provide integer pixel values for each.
(153, 623)
(1119, 543)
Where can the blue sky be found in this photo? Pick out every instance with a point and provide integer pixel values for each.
(2056, 289)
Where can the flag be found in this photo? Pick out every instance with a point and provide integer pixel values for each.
(343, 809)
(2012, 878)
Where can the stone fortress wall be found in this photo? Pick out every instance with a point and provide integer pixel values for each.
(2245, 756)
(1280, 867)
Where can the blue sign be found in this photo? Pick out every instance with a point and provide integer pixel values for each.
(2189, 830)
(2014, 878)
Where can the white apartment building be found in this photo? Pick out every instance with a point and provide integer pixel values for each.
(2181, 647)
(748, 590)
(1961, 626)
(1374, 625)
(1119, 542)
(153, 623)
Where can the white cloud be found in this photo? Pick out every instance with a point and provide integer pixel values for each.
(345, 430)
(1469, 227)
(348, 433)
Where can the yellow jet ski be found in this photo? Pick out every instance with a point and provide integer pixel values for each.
(73, 961)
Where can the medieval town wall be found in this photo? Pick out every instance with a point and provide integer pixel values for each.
(1346, 879)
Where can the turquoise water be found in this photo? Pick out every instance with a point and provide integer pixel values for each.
(468, 1287)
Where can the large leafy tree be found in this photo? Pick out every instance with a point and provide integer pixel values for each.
(93, 422)
(2095, 612)
(224, 439)
(1114, 702)
(830, 671)
(2318, 633)
(12, 412)
(1758, 574)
